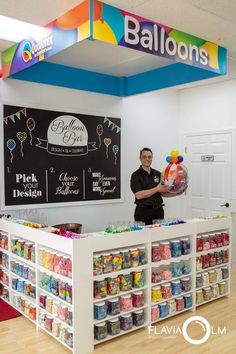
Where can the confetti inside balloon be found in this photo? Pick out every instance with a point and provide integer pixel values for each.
(11, 144)
(21, 136)
(115, 150)
(99, 133)
(175, 176)
(30, 123)
(107, 142)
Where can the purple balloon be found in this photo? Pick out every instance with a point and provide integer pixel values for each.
(180, 159)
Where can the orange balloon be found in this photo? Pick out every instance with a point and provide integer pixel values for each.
(75, 17)
(174, 159)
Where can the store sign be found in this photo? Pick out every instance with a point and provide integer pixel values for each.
(128, 30)
(207, 158)
(62, 33)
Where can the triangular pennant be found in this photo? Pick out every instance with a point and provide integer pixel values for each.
(12, 118)
(18, 115)
(118, 130)
(105, 119)
(113, 126)
(109, 123)
(24, 111)
(5, 120)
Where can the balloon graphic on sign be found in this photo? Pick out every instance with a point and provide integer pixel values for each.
(11, 144)
(107, 142)
(30, 123)
(21, 136)
(99, 133)
(115, 149)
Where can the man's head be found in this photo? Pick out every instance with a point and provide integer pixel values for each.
(146, 157)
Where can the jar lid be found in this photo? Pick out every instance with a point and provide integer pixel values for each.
(101, 324)
(138, 312)
(212, 271)
(115, 299)
(179, 298)
(114, 320)
(223, 283)
(175, 281)
(157, 287)
(125, 250)
(138, 293)
(225, 267)
(165, 243)
(63, 307)
(106, 254)
(185, 279)
(177, 261)
(215, 286)
(184, 239)
(199, 275)
(199, 291)
(163, 304)
(199, 236)
(175, 241)
(128, 296)
(166, 285)
(100, 303)
(57, 322)
(207, 288)
(127, 315)
(133, 249)
(142, 248)
(188, 295)
(156, 244)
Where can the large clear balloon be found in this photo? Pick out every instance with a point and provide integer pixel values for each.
(175, 175)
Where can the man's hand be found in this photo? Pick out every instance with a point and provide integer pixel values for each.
(161, 188)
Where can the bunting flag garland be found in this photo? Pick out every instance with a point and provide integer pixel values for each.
(111, 124)
(17, 114)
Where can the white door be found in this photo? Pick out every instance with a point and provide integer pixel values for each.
(208, 159)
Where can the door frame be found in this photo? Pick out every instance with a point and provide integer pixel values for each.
(183, 145)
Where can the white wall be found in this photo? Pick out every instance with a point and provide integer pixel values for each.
(207, 108)
(147, 120)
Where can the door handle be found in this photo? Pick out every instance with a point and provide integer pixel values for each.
(225, 205)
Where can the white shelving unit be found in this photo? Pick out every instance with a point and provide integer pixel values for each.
(82, 251)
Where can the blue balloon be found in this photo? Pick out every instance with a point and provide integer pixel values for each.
(168, 159)
(11, 144)
(115, 149)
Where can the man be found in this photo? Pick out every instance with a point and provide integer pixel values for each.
(148, 191)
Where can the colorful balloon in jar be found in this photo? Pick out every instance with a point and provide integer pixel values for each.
(175, 175)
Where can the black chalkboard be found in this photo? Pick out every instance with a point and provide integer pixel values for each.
(58, 157)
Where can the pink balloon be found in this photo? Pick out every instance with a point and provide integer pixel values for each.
(30, 123)
(99, 129)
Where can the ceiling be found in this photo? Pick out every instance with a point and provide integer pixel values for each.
(214, 20)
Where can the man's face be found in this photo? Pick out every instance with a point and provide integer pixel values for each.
(146, 158)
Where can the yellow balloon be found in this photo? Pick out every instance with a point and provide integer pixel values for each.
(174, 153)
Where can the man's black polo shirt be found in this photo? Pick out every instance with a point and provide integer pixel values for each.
(142, 180)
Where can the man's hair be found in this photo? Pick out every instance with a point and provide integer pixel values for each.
(145, 149)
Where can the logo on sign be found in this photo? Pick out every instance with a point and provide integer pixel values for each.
(26, 54)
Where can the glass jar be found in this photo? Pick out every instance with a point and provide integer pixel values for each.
(171, 304)
(155, 313)
(205, 279)
(199, 243)
(125, 282)
(69, 338)
(212, 276)
(113, 326)
(126, 303)
(113, 306)
(100, 310)
(100, 331)
(135, 257)
(212, 259)
(176, 287)
(156, 276)
(218, 274)
(185, 245)
(166, 290)
(179, 303)
(55, 328)
(97, 264)
(199, 263)
(113, 286)
(138, 279)
(205, 261)
(219, 258)
(163, 308)
(215, 290)
(199, 281)
(188, 301)
(156, 294)
(223, 288)
(116, 261)
(225, 272)
(225, 238)
(206, 242)
(138, 318)
(156, 252)
(176, 250)
(199, 297)
(186, 284)
(126, 259)
(176, 269)
(107, 263)
(225, 256)
(126, 322)
(100, 289)
(138, 299)
(165, 250)
(142, 255)
(207, 293)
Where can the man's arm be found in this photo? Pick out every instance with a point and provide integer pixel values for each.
(170, 195)
(149, 192)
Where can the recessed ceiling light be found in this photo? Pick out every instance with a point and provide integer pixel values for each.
(14, 30)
